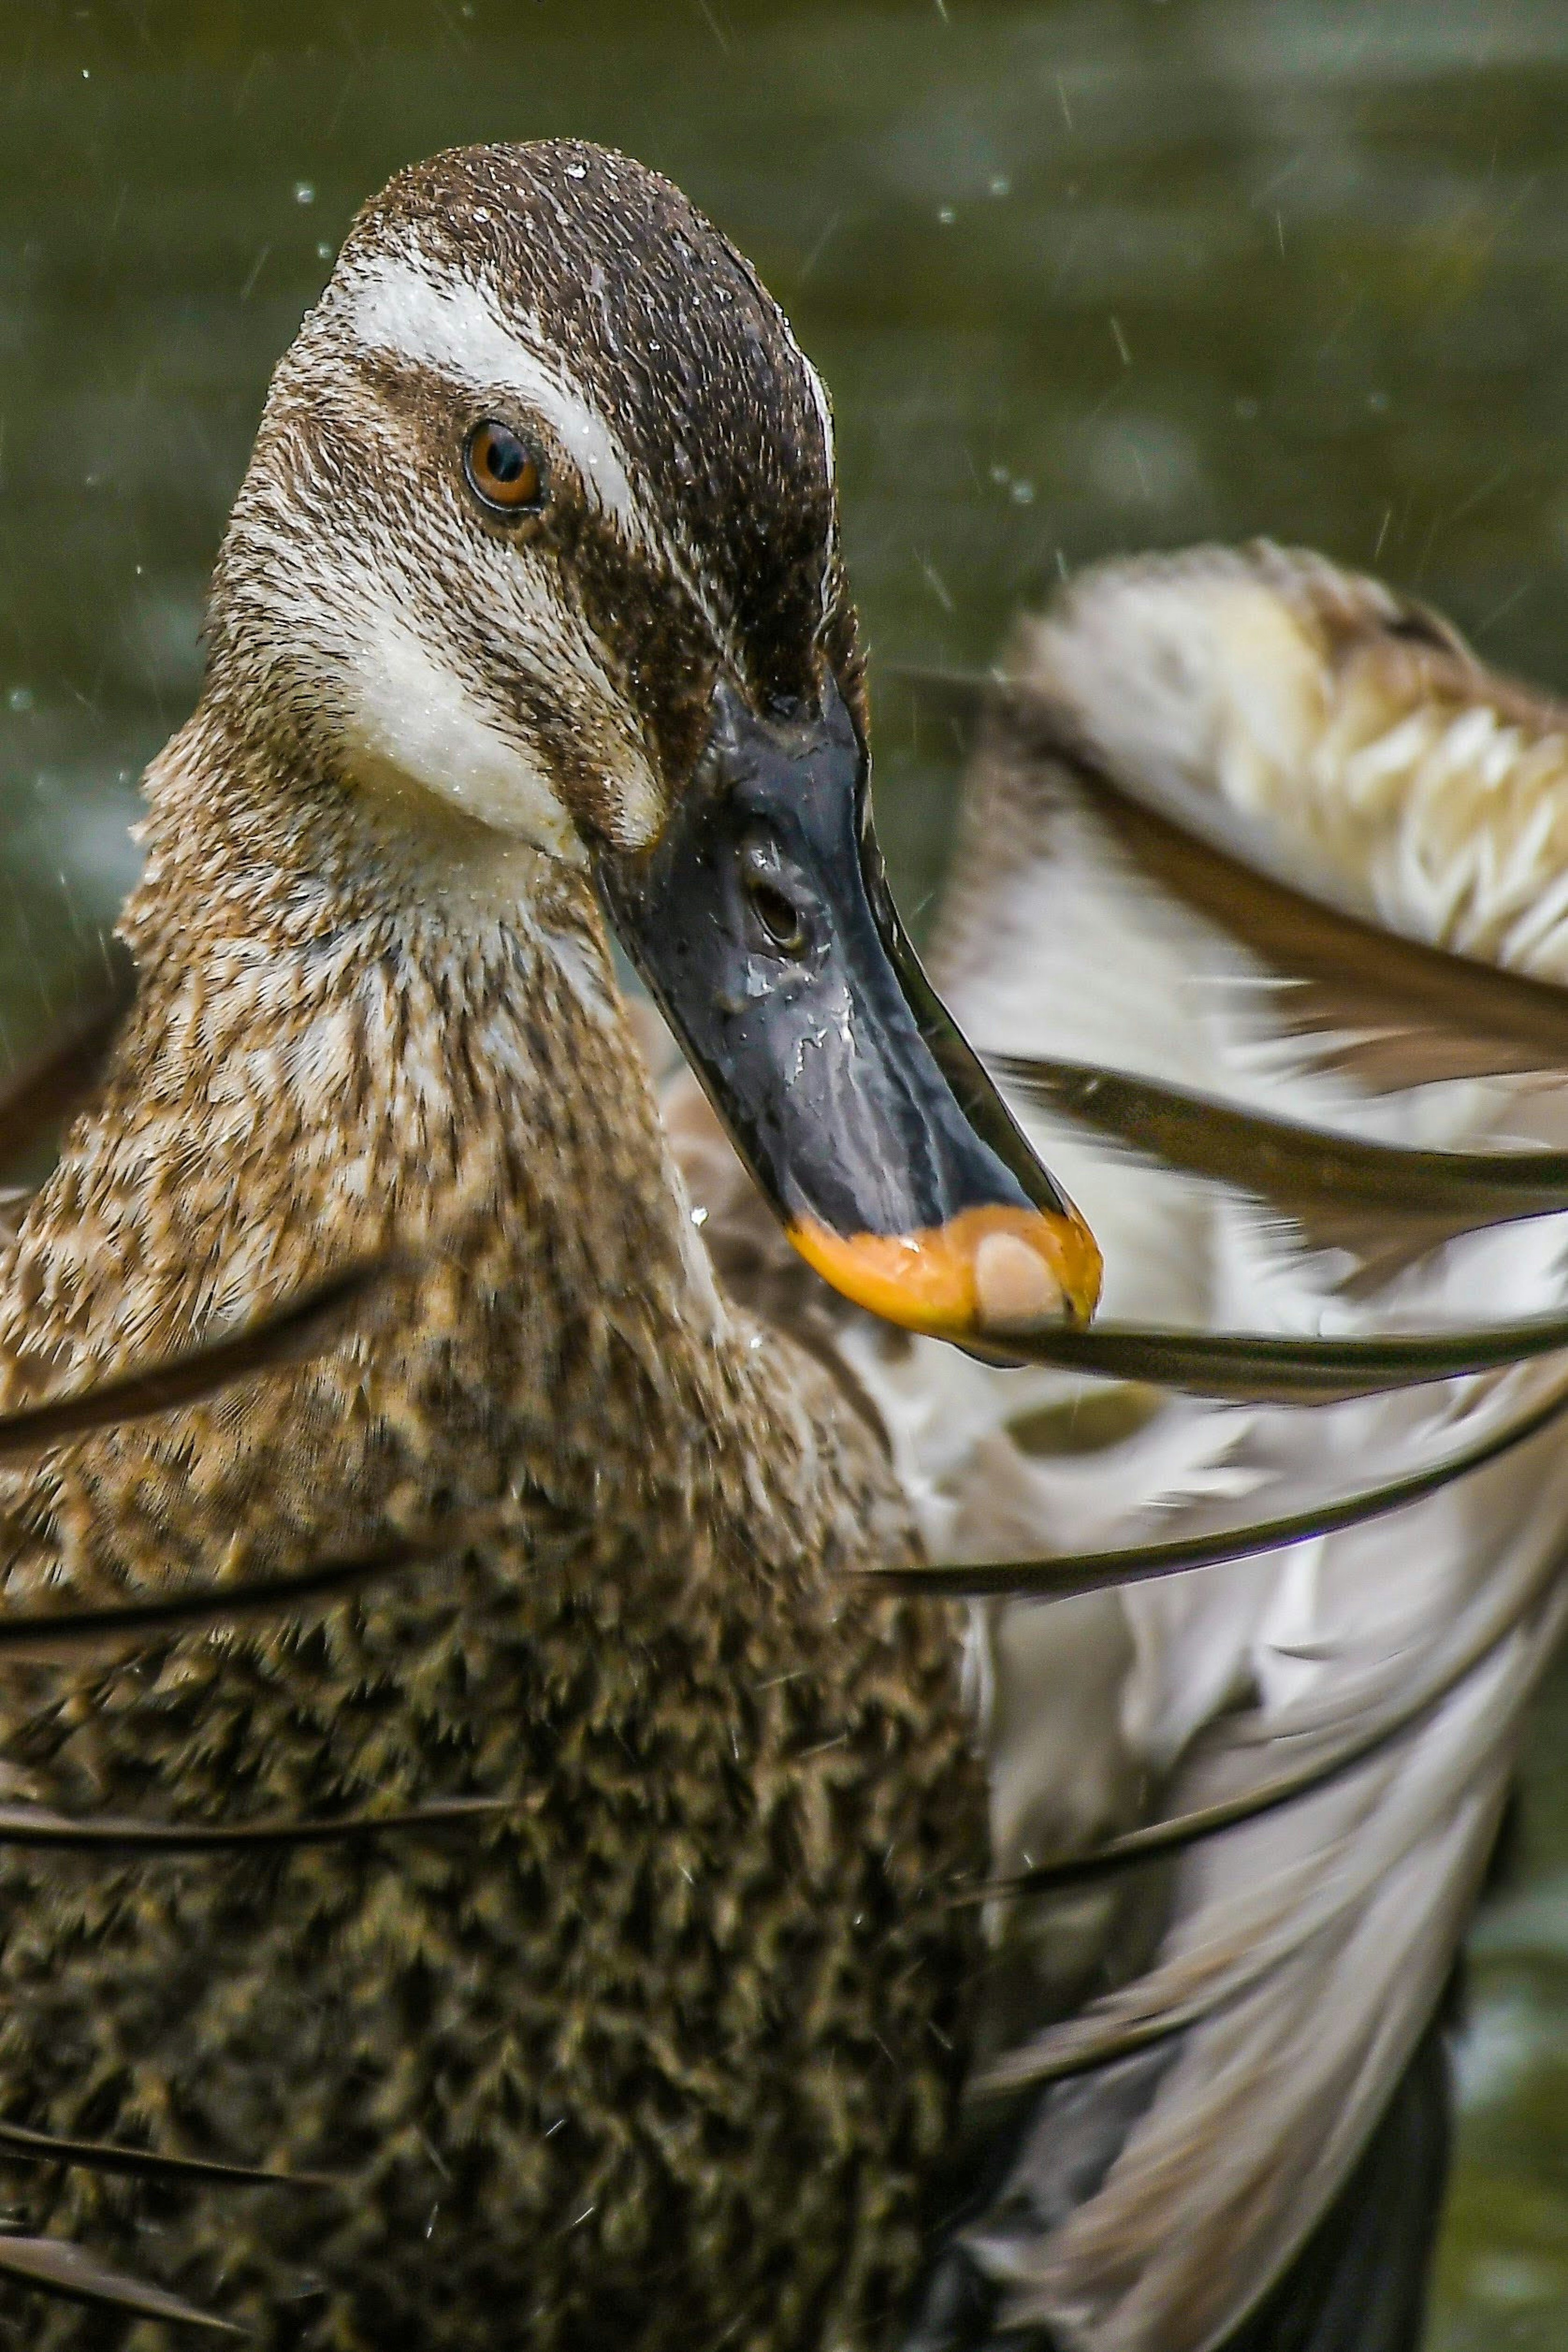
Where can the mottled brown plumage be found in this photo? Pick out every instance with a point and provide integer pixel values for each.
(667, 2054)
(666, 2058)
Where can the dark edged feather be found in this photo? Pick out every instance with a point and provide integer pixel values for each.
(1082, 2044)
(45, 1635)
(1060, 1577)
(1203, 2182)
(42, 1092)
(1406, 1012)
(34, 1825)
(110, 2156)
(54, 2266)
(1342, 1190)
(1182, 1830)
(1360, 2282)
(1258, 1368)
(1403, 1012)
(305, 1326)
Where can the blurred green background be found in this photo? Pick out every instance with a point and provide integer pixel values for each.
(1085, 276)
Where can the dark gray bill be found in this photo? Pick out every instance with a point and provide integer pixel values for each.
(760, 921)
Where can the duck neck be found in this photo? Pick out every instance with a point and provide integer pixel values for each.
(358, 1033)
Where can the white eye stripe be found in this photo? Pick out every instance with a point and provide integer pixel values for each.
(408, 306)
(457, 326)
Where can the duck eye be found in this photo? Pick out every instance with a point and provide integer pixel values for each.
(504, 472)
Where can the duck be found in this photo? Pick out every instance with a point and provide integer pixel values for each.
(1327, 840)
(621, 1720)
(541, 523)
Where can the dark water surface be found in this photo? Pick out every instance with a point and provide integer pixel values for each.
(1085, 277)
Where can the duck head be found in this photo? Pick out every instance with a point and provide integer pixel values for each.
(541, 525)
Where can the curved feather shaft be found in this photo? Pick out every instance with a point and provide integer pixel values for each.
(1258, 1367)
(1087, 2041)
(43, 1091)
(1062, 1576)
(110, 2156)
(1139, 1846)
(1083, 2051)
(1478, 1018)
(45, 1635)
(1407, 1012)
(34, 1825)
(304, 1327)
(1311, 1173)
(54, 2266)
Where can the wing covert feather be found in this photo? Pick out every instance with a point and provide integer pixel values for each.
(1307, 856)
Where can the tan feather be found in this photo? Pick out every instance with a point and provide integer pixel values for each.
(43, 1091)
(1386, 1203)
(55, 2266)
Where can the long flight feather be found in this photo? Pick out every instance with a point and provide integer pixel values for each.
(1335, 1185)
(1090, 2041)
(43, 1635)
(1190, 1828)
(1405, 1011)
(304, 1326)
(1062, 1576)
(34, 1825)
(54, 2266)
(111, 2156)
(1257, 1368)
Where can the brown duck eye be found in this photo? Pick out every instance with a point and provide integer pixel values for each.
(505, 472)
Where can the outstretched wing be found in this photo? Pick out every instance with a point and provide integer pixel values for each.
(1258, 912)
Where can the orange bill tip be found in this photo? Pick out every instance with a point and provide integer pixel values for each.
(987, 1273)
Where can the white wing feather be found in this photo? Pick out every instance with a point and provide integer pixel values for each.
(1237, 2016)
(1300, 1956)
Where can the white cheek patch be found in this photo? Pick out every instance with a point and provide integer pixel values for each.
(408, 712)
(458, 327)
